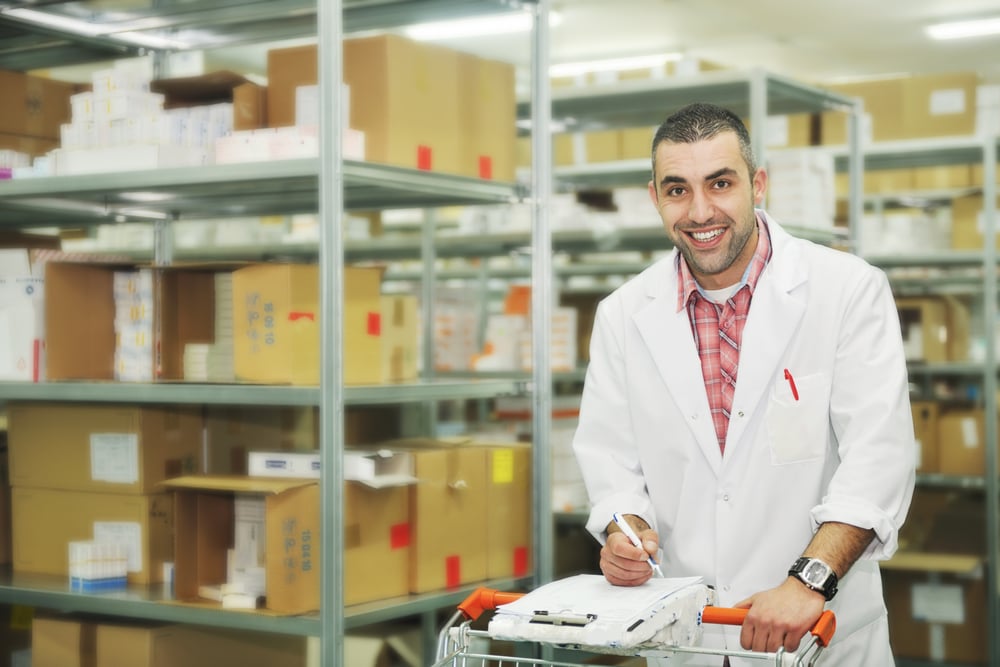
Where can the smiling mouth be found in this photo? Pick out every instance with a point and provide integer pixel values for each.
(704, 237)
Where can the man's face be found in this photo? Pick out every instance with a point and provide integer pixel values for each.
(705, 196)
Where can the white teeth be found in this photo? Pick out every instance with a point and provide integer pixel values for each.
(706, 236)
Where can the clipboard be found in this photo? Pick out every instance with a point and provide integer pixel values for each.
(587, 612)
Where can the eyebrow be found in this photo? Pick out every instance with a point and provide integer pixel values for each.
(725, 171)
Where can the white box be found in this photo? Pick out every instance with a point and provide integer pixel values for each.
(283, 464)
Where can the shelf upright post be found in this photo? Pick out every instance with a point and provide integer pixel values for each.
(541, 294)
(329, 16)
(758, 115)
(990, 392)
(855, 168)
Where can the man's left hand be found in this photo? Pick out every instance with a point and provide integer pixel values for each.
(780, 617)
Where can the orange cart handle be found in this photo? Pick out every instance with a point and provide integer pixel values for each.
(485, 599)
(823, 629)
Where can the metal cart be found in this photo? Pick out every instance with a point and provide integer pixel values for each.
(457, 638)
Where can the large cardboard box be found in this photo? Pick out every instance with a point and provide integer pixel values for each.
(105, 448)
(404, 97)
(15, 634)
(46, 521)
(33, 106)
(448, 511)
(377, 542)
(968, 223)
(276, 324)
(935, 328)
(939, 105)
(925, 430)
(508, 510)
(249, 100)
(489, 113)
(962, 442)
(5, 550)
(883, 108)
(80, 318)
(204, 510)
(63, 641)
(156, 645)
(400, 337)
(33, 146)
(936, 606)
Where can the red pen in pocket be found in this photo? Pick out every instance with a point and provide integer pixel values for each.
(791, 385)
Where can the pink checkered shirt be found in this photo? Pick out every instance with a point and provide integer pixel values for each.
(718, 330)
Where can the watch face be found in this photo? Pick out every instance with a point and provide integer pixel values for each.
(815, 572)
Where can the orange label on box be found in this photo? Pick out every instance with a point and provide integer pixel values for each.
(424, 156)
(399, 536)
(452, 571)
(520, 561)
(374, 324)
(485, 167)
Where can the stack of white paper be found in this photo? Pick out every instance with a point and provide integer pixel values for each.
(586, 611)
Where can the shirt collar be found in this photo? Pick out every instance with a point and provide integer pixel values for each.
(687, 286)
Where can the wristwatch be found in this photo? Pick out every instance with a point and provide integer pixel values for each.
(815, 574)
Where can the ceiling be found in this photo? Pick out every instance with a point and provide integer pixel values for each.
(811, 40)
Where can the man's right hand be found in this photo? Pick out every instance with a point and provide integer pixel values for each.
(624, 564)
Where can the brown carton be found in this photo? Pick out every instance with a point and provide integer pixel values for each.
(400, 338)
(121, 449)
(489, 114)
(508, 510)
(204, 511)
(63, 641)
(248, 99)
(276, 324)
(33, 106)
(925, 430)
(68, 516)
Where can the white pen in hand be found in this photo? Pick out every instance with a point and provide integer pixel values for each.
(634, 539)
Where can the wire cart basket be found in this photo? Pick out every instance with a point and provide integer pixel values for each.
(458, 641)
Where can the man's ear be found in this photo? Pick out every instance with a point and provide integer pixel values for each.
(759, 186)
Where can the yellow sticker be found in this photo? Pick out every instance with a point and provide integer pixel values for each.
(503, 466)
(20, 617)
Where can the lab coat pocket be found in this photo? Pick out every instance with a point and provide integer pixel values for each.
(798, 418)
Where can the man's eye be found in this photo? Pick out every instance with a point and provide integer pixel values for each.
(721, 185)
(675, 192)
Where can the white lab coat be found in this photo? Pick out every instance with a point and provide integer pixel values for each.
(844, 451)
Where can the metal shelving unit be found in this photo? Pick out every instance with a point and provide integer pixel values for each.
(951, 151)
(326, 184)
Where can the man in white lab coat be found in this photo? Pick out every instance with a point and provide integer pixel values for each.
(746, 407)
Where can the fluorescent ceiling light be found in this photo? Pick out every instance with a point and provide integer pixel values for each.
(964, 29)
(88, 29)
(614, 64)
(476, 26)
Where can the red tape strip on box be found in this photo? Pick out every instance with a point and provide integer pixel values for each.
(424, 157)
(453, 571)
(520, 561)
(374, 324)
(485, 167)
(399, 536)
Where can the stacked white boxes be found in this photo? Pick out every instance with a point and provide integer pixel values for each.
(213, 362)
(97, 566)
(121, 126)
(133, 295)
(22, 317)
(801, 189)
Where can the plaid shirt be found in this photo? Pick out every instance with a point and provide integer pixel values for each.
(718, 330)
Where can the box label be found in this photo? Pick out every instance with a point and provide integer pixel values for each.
(947, 101)
(970, 434)
(503, 466)
(938, 603)
(128, 533)
(260, 321)
(114, 457)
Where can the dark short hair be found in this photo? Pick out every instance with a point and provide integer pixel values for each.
(700, 121)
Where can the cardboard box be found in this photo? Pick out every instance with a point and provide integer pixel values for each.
(15, 634)
(942, 177)
(636, 143)
(116, 449)
(34, 106)
(935, 329)
(232, 432)
(80, 318)
(276, 330)
(488, 110)
(448, 509)
(961, 434)
(63, 641)
(248, 99)
(939, 105)
(33, 146)
(377, 542)
(967, 223)
(508, 510)
(46, 521)
(883, 107)
(400, 337)
(157, 645)
(925, 430)
(936, 607)
(203, 506)
(404, 97)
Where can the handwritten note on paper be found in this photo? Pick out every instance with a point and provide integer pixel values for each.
(592, 594)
